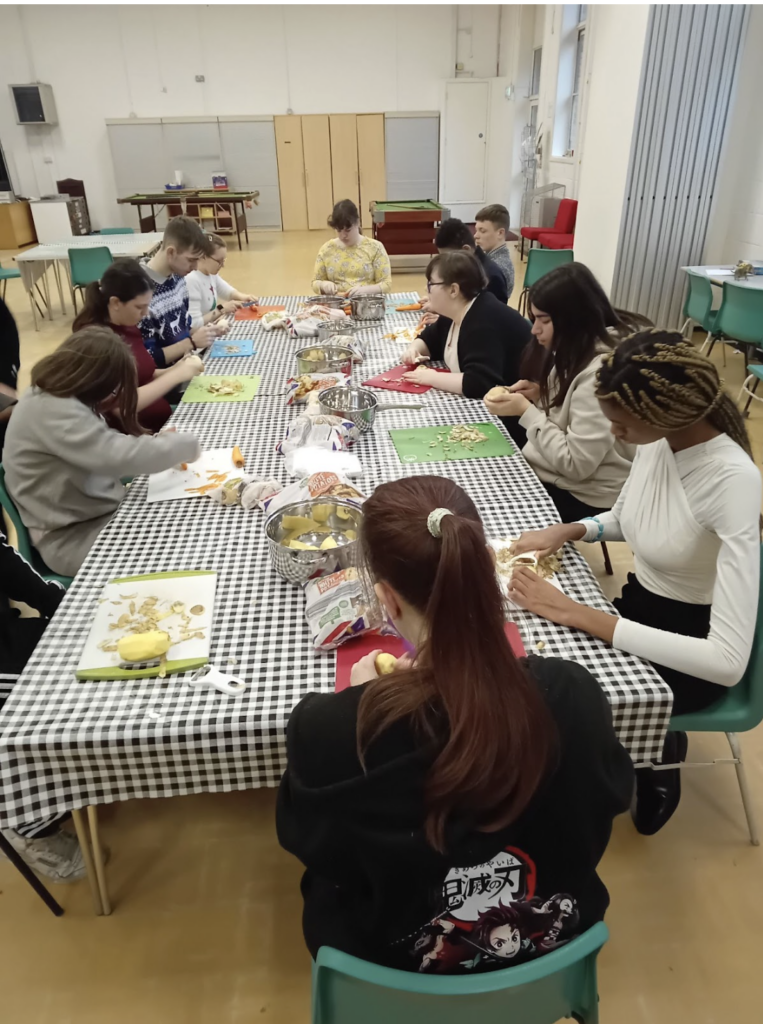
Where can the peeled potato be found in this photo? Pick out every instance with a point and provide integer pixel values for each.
(144, 646)
(498, 392)
(351, 534)
(322, 512)
(342, 512)
(385, 664)
(329, 542)
(297, 545)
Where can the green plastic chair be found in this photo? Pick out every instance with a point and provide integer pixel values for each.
(739, 321)
(560, 984)
(738, 710)
(117, 231)
(23, 541)
(755, 372)
(539, 263)
(7, 275)
(86, 266)
(698, 307)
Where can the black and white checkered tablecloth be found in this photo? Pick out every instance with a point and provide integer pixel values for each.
(65, 743)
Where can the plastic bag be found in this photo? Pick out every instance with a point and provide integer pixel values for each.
(319, 485)
(298, 388)
(340, 607)
(307, 461)
(330, 432)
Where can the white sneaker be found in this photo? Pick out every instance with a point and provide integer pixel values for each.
(58, 857)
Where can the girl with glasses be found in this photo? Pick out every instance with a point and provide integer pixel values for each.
(209, 296)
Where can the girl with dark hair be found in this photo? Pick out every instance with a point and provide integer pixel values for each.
(690, 511)
(569, 442)
(351, 264)
(404, 793)
(63, 463)
(120, 301)
(480, 339)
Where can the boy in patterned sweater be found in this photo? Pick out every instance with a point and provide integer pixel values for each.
(492, 224)
(166, 329)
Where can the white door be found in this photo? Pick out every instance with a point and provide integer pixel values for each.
(465, 144)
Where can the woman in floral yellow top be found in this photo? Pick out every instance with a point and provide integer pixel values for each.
(351, 262)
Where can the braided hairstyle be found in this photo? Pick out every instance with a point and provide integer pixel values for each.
(660, 378)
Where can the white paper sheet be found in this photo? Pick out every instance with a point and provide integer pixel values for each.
(173, 484)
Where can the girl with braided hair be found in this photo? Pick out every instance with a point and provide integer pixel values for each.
(690, 511)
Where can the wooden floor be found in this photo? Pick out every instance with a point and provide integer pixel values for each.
(206, 922)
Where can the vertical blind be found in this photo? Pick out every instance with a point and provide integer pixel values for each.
(690, 63)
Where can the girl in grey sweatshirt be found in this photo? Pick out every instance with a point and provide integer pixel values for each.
(63, 462)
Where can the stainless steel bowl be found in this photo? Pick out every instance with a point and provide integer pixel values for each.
(344, 327)
(332, 301)
(352, 403)
(368, 307)
(335, 359)
(298, 566)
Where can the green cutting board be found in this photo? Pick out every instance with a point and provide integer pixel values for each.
(416, 445)
(197, 389)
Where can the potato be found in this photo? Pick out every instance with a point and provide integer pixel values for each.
(301, 523)
(385, 664)
(351, 534)
(329, 542)
(144, 646)
(494, 394)
(297, 545)
(322, 512)
(342, 512)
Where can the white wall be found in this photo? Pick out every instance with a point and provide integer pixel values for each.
(736, 223)
(104, 62)
(617, 35)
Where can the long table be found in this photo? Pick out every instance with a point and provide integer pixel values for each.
(67, 744)
(35, 263)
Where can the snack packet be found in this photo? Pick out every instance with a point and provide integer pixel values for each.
(321, 431)
(298, 388)
(319, 485)
(339, 607)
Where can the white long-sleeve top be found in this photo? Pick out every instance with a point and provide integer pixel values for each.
(204, 293)
(572, 445)
(691, 519)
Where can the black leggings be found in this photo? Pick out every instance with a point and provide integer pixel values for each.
(569, 507)
(641, 605)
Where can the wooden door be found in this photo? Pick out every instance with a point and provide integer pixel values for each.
(344, 157)
(316, 143)
(291, 172)
(371, 165)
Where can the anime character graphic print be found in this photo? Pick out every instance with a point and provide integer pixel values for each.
(491, 917)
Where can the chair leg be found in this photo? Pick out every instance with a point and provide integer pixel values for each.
(685, 328)
(607, 563)
(744, 788)
(74, 299)
(751, 395)
(522, 249)
(21, 865)
(5, 287)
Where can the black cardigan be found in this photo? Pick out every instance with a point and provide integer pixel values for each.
(375, 888)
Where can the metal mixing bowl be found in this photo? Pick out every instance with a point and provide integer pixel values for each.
(332, 301)
(369, 307)
(297, 566)
(332, 327)
(335, 360)
(352, 403)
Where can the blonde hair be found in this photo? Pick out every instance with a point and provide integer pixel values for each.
(660, 378)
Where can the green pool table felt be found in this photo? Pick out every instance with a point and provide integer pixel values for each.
(416, 445)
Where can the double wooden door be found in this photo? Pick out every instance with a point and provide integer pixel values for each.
(323, 158)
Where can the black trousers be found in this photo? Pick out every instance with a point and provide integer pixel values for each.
(641, 605)
(569, 507)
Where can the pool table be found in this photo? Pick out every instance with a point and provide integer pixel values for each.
(406, 229)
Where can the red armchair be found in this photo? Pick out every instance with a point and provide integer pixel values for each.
(564, 224)
(556, 240)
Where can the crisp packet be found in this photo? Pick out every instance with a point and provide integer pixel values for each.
(298, 388)
(331, 432)
(319, 485)
(340, 607)
(356, 345)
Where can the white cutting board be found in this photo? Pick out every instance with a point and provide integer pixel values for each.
(192, 588)
(172, 484)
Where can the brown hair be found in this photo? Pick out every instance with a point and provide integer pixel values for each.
(214, 242)
(584, 323)
(124, 280)
(461, 268)
(186, 235)
(467, 693)
(92, 365)
(497, 214)
(660, 378)
(344, 215)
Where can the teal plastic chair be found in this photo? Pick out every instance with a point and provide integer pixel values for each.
(740, 318)
(86, 266)
(698, 306)
(23, 540)
(755, 372)
(739, 710)
(117, 231)
(560, 984)
(7, 275)
(539, 263)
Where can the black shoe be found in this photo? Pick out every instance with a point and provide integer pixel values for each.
(659, 793)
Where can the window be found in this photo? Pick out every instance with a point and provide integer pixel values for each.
(535, 80)
(572, 134)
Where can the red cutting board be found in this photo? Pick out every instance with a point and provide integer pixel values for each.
(256, 312)
(351, 653)
(394, 383)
